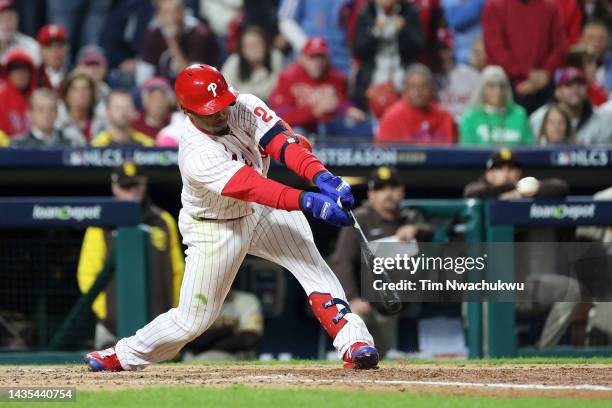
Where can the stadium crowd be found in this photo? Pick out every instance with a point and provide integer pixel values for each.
(468, 72)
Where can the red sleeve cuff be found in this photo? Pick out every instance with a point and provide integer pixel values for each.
(278, 143)
(291, 200)
(248, 185)
(302, 161)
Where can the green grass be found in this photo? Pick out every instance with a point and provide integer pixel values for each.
(174, 397)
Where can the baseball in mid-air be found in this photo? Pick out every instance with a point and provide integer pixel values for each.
(528, 186)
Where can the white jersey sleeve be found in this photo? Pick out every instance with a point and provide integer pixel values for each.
(254, 117)
(209, 169)
(208, 162)
(206, 167)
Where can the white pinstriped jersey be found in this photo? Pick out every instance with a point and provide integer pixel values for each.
(231, 229)
(208, 162)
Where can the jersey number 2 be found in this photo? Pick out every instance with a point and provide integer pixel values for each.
(263, 114)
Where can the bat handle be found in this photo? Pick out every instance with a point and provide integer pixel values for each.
(349, 211)
(392, 302)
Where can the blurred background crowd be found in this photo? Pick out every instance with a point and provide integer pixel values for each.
(469, 72)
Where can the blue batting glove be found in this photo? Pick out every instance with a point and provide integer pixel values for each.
(322, 207)
(335, 187)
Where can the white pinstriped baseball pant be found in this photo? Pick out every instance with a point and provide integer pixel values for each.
(216, 248)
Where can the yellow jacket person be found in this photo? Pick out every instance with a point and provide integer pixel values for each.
(167, 263)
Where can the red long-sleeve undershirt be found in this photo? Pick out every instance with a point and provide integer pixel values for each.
(248, 185)
(280, 143)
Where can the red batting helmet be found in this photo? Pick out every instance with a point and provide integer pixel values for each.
(203, 90)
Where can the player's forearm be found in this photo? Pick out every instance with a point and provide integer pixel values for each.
(302, 162)
(248, 185)
(282, 144)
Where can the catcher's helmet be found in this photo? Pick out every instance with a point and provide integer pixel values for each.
(203, 90)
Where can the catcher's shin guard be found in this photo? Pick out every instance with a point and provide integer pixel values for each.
(330, 311)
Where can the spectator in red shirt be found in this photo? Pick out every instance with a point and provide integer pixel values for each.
(157, 100)
(54, 51)
(417, 118)
(572, 19)
(311, 92)
(527, 39)
(15, 92)
(173, 41)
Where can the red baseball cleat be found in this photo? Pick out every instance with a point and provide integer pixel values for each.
(104, 360)
(361, 356)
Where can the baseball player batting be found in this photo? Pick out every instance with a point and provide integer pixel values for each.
(230, 209)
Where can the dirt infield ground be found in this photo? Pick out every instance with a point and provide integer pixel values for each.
(584, 381)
